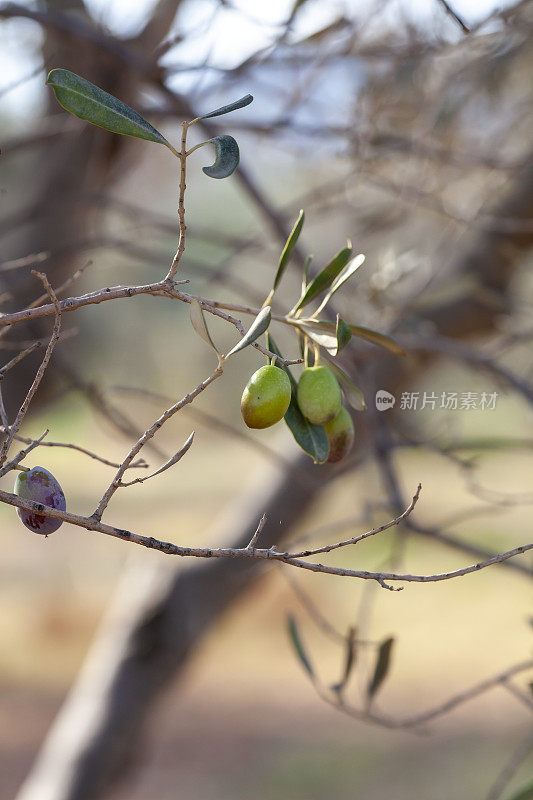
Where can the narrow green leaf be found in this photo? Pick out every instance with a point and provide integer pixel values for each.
(244, 101)
(343, 333)
(524, 794)
(200, 325)
(351, 267)
(354, 396)
(89, 102)
(381, 669)
(294, 635)
(349, 662)
(325, 278)
(259, 326)
(287, 250)
(378, 338)
(311, 438)
(226, 157)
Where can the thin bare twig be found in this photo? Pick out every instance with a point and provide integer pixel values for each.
(147, 435)
(19, 357)
(396, 521)
(170, 463)
(257, 533)
(40, 372)
(14, 462)
(140, 464)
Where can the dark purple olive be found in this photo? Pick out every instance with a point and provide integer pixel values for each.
(40, 486)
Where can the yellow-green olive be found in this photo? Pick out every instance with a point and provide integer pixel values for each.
(266, 397)
(319, 395)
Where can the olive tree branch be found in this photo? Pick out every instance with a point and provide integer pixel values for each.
(164, 288)
(93, 524)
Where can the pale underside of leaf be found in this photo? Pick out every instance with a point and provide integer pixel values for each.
(347, 272)
(354, 396)
(324, 326)
(259, 326)
(199, 324)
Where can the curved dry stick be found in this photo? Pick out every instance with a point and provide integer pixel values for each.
(416, 720)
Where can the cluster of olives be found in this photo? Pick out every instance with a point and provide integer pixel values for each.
(267, 396)
(40, 486)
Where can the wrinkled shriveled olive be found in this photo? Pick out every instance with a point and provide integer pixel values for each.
(266, 397)
(40, 486)
(340, 432)
(319, 395)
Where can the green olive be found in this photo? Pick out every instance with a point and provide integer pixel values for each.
(319, 395)
(266, 397)
(340, 432)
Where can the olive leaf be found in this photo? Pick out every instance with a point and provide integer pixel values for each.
(379, 339)
(89, 102)
(351, 267)
(259, 326)
(381, 669)
(287, 250)
(332, 340)
(199, 324)
(352, 393)
(241, 103)
(325, 326)
(325, 339)
(294, 635)
(325, 278)
(343, 334)
(349, 661)
(311, 438)
(226, 156)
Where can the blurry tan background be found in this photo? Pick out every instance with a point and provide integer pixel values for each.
(389, 127)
